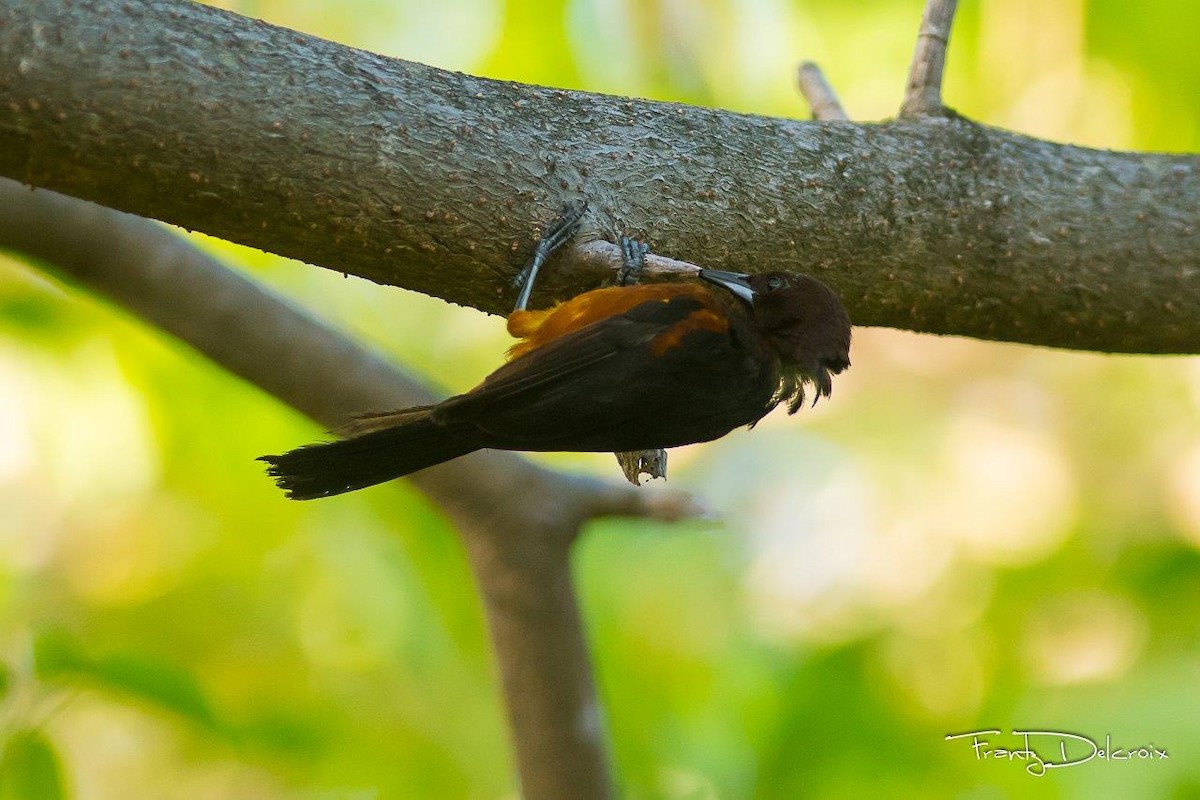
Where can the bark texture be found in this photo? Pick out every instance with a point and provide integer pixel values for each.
(437, 181)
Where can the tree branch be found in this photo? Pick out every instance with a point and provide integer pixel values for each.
(923, 95)
(821, 98)
(438, 181)
(517, 542)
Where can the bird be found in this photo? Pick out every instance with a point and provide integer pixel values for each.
(619, 368)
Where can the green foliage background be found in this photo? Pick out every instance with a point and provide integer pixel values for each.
(967, 536)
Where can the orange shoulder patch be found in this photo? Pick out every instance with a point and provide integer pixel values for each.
(703, 320)
(537, 328)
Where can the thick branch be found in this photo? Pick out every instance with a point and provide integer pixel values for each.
(437, 181)
(517, 541)
(923, 94)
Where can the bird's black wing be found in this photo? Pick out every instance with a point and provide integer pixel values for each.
(603, 387)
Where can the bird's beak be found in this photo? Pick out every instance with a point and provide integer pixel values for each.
(735, 282)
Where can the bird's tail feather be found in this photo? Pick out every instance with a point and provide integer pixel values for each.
(323, 470)
(379, 420)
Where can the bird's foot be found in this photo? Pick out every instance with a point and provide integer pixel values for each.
(558, 234)
(636, 463)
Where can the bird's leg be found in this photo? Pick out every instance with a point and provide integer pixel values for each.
(635, 463)
(558, 234)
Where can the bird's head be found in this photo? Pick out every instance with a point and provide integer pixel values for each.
(803, 320)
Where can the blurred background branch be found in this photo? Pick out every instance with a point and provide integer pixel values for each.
(516, 519)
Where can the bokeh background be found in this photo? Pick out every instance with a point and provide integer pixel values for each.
(969, 535)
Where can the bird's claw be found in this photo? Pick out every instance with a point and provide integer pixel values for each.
(636, 463)
(558, 234)
(633, 261)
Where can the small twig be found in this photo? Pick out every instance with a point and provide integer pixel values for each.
(923, 96)
(822, 99)
(601, 256)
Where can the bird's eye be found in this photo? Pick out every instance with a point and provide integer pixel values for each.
(774, 283)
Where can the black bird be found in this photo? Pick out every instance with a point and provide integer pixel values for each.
(622, 368)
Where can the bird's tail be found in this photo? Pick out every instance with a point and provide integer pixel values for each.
(414, 442)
